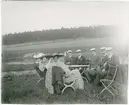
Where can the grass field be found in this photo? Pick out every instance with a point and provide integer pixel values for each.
(16, 52)
(24, 89)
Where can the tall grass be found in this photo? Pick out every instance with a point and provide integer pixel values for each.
(25, 90)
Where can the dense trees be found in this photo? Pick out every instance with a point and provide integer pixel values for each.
(63, 33)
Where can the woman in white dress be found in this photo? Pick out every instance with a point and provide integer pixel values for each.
(48, 80)
(71, 75)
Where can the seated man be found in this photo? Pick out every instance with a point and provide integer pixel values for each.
(80, 60)
(113, 60)
(94, 61)
(103, 66)
(69, 59)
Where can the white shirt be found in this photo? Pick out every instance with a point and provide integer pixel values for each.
(110, 56)
(79, 56)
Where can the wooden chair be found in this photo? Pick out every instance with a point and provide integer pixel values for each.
(41, 74)
(82, 74)
(109, 82)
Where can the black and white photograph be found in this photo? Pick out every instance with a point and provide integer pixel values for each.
(64, 52)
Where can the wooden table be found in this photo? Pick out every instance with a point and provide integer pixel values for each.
(77, 66)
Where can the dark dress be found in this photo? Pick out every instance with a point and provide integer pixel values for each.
(70, 60)
(57, 79)
(42, 74)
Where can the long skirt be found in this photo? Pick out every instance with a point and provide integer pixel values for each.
(75, 75)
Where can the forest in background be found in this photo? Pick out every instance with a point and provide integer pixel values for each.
(56, 34)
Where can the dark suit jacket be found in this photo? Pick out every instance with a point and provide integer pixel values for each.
(119, 75)
(57, 75)
(114, 60)
(40, 73)
(94, 61)
(103, 60)
(70, 60)
(80, 61)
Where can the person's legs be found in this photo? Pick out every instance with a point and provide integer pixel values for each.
(99, 75)
(90, 74)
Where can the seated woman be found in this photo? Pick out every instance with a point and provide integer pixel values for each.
(71, 75)
(39, 65)
(55, 73)
(54, 77)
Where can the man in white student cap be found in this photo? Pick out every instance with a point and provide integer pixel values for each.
(94, 58)
(69, 51)
(70, 59)
(109, 52)
(92, 49)
(94, 62)
(103, 51)
(80, 59)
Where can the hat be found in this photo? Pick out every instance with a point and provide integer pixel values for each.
(103, 48)
(48, 55)
(58, 55)
(78, 50)
(109, 48)
(92, 49)
(69, 51)
(39, 55)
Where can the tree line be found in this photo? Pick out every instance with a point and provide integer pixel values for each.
(54, 34)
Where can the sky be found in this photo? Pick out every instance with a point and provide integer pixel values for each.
(20, 16)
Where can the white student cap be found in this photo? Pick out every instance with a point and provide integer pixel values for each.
(109, 48)
(78, 50)
(39, 55)
(92, 49)
(69, 51)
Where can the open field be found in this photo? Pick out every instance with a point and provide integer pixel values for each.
(16, 52)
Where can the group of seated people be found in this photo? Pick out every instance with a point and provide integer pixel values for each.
(56, 71)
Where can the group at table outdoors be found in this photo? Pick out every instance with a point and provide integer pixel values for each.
(60, 69)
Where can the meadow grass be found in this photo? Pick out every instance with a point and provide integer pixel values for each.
(24, 89)
(15, 53)
(16, 67)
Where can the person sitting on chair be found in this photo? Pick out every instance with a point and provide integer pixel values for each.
(103, 67)
(94, 61)
(80, 60)
(39, 65)
(71, 76)
(69, 59)
(113, 60)
(54, 75)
